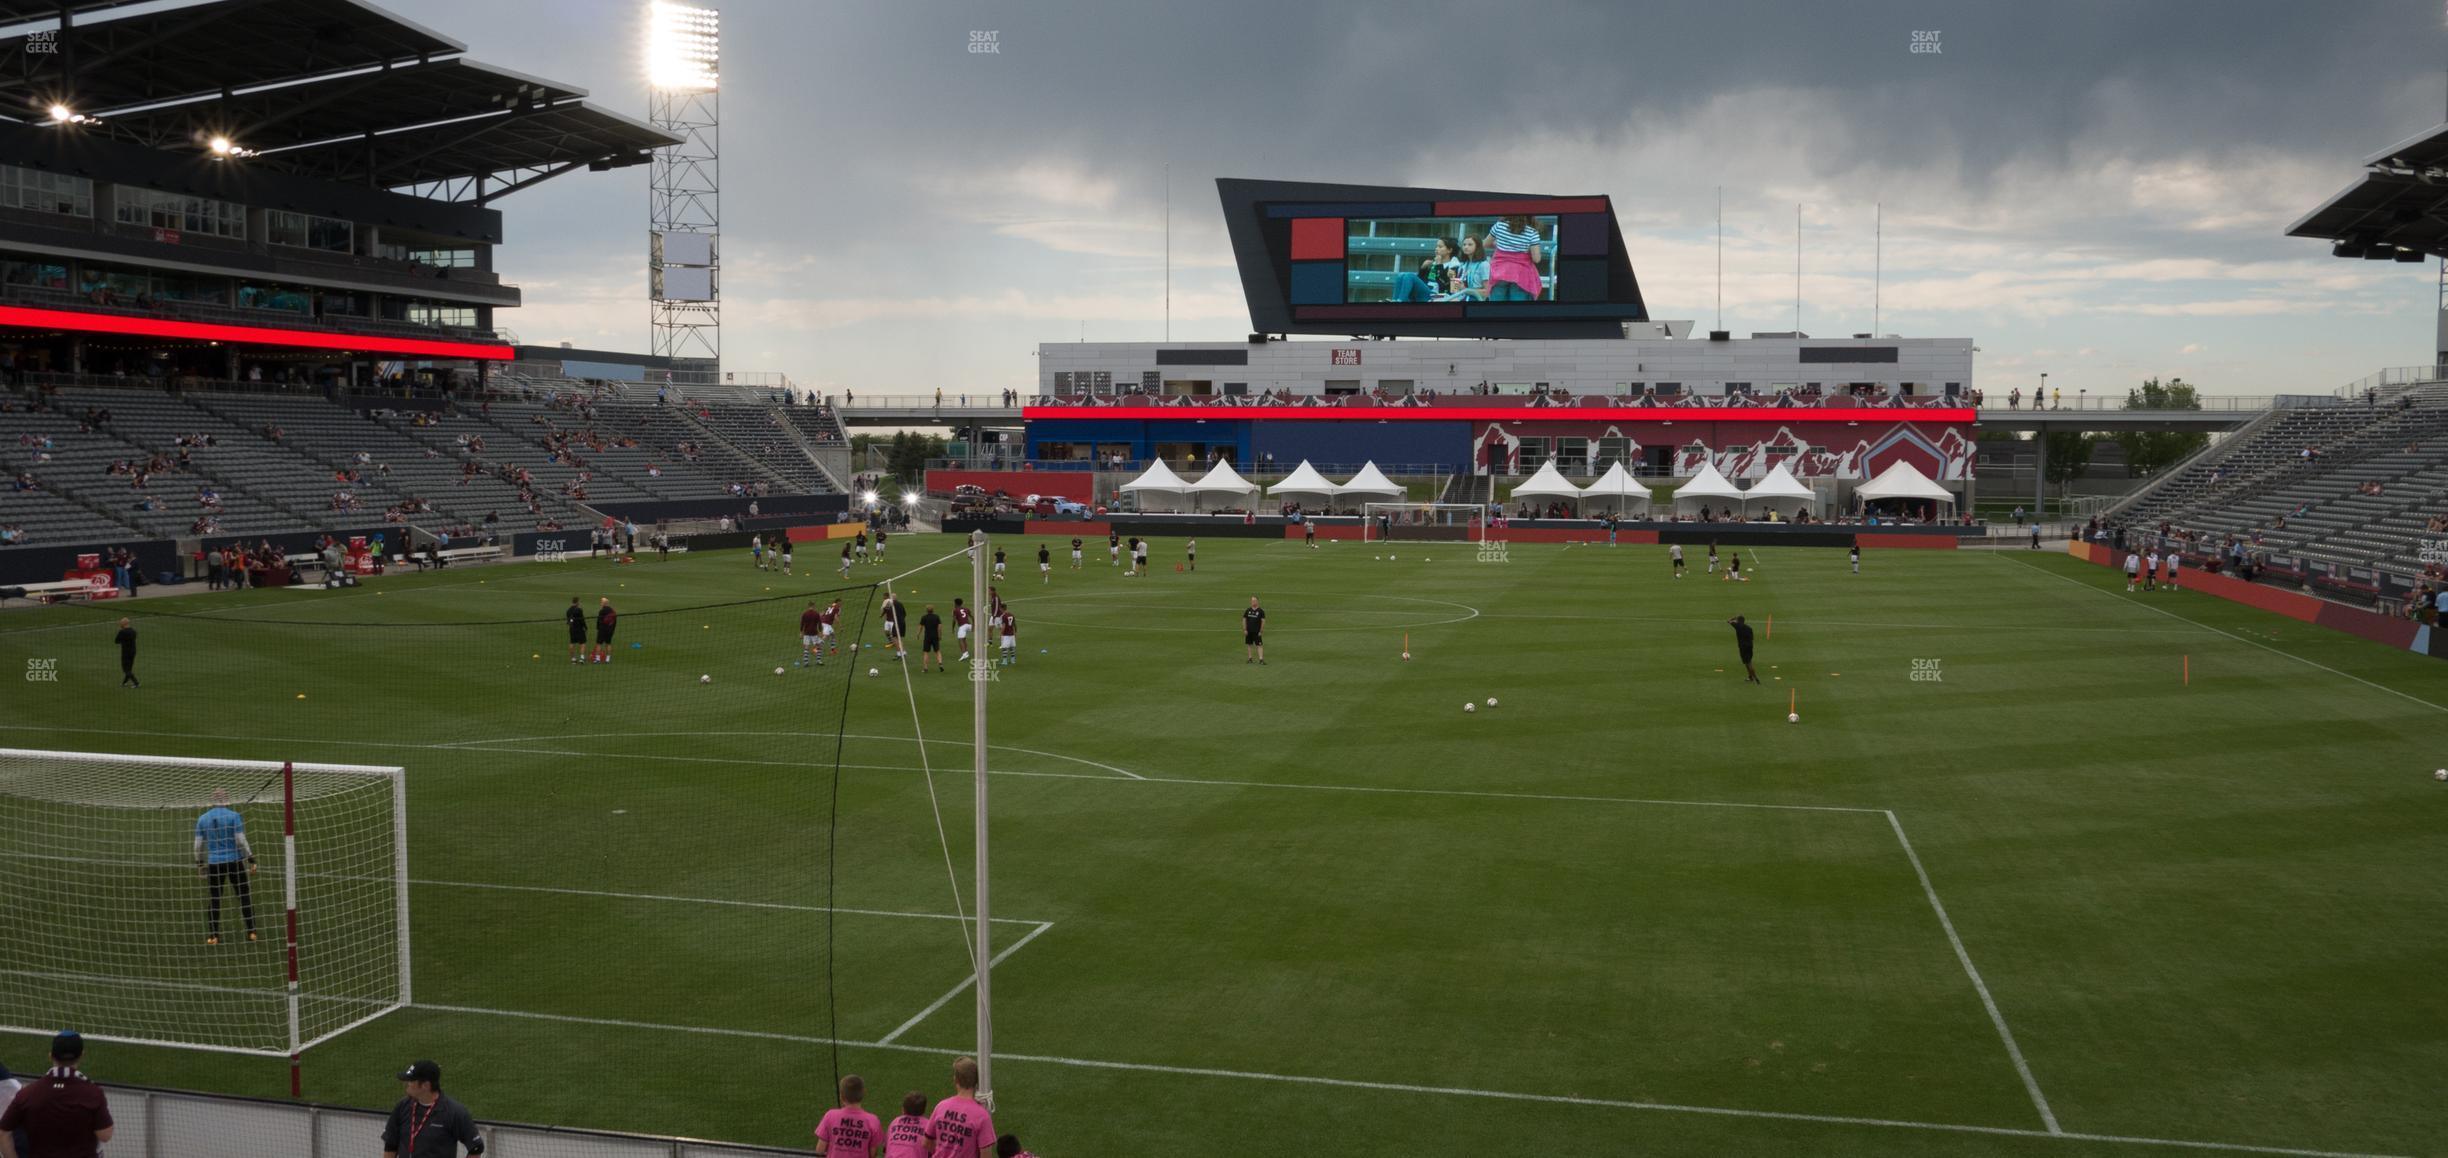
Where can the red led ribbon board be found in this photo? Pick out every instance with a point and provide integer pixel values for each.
(36, 318)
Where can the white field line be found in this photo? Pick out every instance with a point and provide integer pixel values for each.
(463, 746)
(2231, 635)
(963, 987)
(2031, 1085)
(1410, 1088)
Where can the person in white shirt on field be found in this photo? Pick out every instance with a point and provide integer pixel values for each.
(2174, 561)
(2150, 572)
(2133, 570)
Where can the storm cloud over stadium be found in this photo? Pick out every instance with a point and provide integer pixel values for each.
(2097, 190)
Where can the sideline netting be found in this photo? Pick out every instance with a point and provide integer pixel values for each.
(1449, 522)
(111, 909)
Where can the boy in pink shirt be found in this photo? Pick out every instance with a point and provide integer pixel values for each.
(961, 1127)
(907, 1136)
(849, 1131)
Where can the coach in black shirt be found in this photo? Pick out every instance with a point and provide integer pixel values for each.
(425, 1124)
(1742, 643)
(1253, 633)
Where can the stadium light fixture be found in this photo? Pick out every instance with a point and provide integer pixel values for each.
(683, 47)
(868, 498)
(61, 113)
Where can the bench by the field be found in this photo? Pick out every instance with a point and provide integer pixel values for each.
(492, 554)
(55, 591)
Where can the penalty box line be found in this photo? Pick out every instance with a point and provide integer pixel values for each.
(1989, 1002)
(1405, 1087)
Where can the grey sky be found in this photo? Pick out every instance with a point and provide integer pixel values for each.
(2095, 189)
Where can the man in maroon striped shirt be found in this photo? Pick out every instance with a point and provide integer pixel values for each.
(63, 1113)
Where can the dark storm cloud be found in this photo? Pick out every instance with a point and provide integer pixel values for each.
(877, 168)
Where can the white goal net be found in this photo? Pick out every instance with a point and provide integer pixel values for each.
(1463, 522)
(140, 912)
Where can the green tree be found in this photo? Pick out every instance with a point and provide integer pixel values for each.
(2150, 451)
(906, 456)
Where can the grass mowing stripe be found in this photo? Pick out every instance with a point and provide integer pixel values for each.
(2239, 638)
(1410, 1088)
(1488, 794)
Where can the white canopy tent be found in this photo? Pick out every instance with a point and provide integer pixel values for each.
(1222, 481)
(1304, 480)
(1371, 481)
(1158, 482)
(1547, 483)
(1707, 485)
(1619, 487)
(1781, 487)
(1903, 481)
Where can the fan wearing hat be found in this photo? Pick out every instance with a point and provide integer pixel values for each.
(426, 1124)
(63, 1113)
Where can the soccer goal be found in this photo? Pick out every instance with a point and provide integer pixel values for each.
(1396, 522)
(140, 912)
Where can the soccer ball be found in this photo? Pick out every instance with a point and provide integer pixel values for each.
(1406, 657)
(705, 679)
(1793, 717)
(1469, 707)
(2442, 774)
(1491, 701)
(874, 672)
(1391, 558)
(1379, 558)
(777, 671)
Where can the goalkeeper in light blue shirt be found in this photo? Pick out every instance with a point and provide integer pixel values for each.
(224, 859)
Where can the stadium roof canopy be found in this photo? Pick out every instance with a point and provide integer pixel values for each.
(2398, 211)
(337, 89)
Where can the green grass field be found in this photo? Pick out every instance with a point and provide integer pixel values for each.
(2054, 902)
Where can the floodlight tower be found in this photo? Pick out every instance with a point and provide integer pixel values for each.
(684, 220)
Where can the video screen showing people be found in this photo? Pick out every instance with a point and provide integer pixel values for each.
(1450, 259)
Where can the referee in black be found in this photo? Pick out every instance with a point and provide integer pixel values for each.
(426, 1124)
(1742, 642)
(126, 639)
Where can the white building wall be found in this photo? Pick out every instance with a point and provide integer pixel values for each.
(1583, 366)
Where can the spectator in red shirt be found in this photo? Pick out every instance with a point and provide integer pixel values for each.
(63, 1113)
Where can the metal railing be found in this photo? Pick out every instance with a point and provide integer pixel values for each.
(2390, 381)
(2225, 403)
(157, 1123)
(952, 400)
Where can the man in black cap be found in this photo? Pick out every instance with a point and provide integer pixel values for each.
(425, 1124)
(63, 1113)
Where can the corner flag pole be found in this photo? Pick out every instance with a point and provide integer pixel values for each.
(981, 673)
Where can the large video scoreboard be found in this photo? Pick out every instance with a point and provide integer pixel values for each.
(1365, 259)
